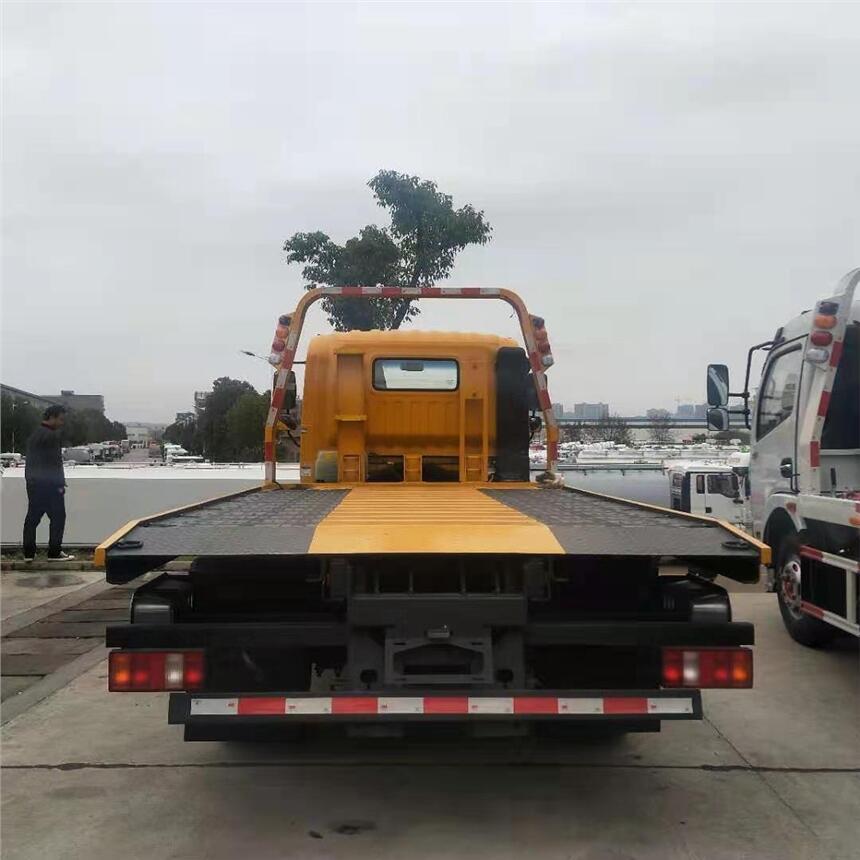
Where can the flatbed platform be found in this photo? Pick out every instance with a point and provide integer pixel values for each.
(373, 519)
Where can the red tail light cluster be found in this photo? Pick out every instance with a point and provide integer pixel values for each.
(707, 667)
(154, 671)
(821, 337)
(279, 344)
(542, 341)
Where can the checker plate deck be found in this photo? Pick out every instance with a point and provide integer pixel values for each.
(421, 519)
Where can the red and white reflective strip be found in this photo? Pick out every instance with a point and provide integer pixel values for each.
(466, 706)
(829, 617)
(829, 558)
(851, 566)
(411, 292)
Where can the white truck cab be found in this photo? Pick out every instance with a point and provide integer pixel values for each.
(710, 489)
(804, 474)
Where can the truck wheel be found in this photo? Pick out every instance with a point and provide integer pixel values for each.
(802, 628)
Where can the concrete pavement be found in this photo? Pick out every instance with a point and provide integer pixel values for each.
(771, 773)
(27, 589)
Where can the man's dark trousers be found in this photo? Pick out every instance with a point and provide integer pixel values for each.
(45, 499)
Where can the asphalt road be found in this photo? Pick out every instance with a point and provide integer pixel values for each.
(771, 773)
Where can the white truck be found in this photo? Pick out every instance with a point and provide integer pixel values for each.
(708, 488)
(804, 473)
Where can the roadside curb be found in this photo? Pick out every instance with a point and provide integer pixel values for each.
(41, 566)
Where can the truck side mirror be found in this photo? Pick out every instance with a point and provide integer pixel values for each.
(531, 395)
(718, 418)
(718, 385)
(290, 392)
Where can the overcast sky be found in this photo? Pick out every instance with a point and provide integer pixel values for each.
(667, 183)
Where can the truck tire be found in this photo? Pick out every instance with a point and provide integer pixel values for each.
(802, 628)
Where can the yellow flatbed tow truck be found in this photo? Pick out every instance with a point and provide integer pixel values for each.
(414, 576)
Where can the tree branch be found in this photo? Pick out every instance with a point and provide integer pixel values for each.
(400, 315)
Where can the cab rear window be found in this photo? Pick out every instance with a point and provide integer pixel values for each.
(415, 374)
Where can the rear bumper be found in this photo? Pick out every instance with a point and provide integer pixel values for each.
(611, 706)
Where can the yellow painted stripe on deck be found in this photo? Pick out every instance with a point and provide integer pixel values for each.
(429, 519)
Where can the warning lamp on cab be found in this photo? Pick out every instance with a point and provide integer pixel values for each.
(542, 341)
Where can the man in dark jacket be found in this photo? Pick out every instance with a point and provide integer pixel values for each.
(46, 485)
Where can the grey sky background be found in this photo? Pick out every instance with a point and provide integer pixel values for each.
(667, 183)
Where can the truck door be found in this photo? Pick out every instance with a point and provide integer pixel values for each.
(774, 456)
(698, 494)
(723, 497)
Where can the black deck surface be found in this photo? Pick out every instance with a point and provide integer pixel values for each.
(283, 522)
(278, 522)
(589, 525)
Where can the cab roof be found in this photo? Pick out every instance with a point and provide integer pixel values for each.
(410, 339)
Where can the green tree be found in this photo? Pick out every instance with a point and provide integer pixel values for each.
(246, 419)
(417, 249)
(90, 425)
(213, 430)
(185, 434)
(18, 419)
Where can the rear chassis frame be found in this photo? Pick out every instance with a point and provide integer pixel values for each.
(626, 653)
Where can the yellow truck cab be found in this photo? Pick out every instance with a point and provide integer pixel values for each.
(415, 578)
(412, 407)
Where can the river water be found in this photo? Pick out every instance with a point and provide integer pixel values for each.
(650, 487)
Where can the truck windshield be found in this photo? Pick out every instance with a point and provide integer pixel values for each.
(778, 393)
(724, 485)
(415, 374)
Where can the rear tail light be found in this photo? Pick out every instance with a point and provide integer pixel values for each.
(817, 356)
(707, 667)
(542, 342)
(821, 338)
(824, 321)
(154, 671)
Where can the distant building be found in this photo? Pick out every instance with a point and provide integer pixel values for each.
(78, 402)
(37, 401)
(591, 411)
(558, 410)
(185, 418)
(692, 410)
(138, 435)
(658, 413)
(200, 399)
